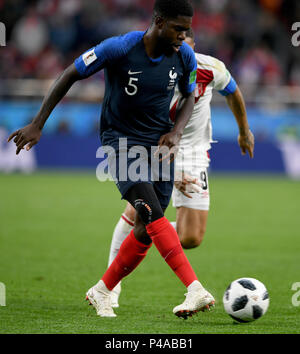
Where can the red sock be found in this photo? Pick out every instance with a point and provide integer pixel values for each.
(168, 244)
(131, 253)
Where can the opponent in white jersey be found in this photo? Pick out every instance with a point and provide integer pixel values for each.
(191, 191)
(211, 74)
(192, 159)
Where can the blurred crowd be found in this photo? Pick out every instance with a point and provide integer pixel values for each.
(252, 37)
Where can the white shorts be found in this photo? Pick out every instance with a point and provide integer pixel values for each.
(201, 200)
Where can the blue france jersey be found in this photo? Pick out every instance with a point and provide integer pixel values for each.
(138, 89)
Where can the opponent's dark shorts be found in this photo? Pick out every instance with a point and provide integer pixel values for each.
(130, 165)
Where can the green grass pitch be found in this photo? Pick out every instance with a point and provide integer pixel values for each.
(55, 232)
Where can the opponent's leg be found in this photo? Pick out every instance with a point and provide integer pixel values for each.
(191, 226)
(192, 213)
(121, 231)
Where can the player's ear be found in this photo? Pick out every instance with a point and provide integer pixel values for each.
(159, 21)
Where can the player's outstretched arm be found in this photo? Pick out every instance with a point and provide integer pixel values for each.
(30, 134)
(237, 105)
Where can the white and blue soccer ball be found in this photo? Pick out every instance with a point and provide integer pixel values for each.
(246, 299)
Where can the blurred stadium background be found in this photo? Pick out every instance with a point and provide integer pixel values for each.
(252, 37)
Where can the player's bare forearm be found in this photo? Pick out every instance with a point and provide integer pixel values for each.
(237, 105)
(30, 135)
(171, 140)
(184, 114)
(57, 91)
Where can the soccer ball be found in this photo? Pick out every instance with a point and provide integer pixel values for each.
(246, 299)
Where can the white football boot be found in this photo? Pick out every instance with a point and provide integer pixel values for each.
(197, 299)
(100, 297)
(114, 295)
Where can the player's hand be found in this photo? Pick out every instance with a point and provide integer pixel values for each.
(168, 146)
(29, 135)
(187, 184)
(246, 142)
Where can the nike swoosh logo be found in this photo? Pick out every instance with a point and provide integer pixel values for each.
(134, 72)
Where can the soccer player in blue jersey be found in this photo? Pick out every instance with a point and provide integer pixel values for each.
(141, 72)
(192, 203)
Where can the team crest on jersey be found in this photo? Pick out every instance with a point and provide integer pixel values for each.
(173, 76)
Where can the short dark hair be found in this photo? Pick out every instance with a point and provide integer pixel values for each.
(173, 8)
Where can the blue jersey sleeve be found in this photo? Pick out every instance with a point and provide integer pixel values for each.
(187, 84)
(105, 53)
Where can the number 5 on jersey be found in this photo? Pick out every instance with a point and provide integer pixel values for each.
(132, 89)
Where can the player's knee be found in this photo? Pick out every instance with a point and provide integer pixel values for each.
(190, 239)
(189, 242)
(143, 198)
(147, 211)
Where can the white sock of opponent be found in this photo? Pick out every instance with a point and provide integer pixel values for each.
(121, 231)
(173, 223)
